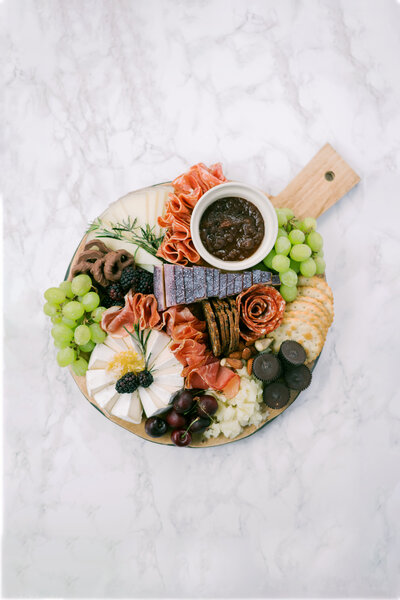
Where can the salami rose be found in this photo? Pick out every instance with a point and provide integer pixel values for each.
(261, 310)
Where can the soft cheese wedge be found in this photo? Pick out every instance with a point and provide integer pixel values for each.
(145, 206)
(117, 355)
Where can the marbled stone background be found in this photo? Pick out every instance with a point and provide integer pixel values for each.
(102, 97)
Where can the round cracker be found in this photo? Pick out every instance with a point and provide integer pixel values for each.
(309, 305)
(315, 293)
(305, 334)
(308, 317)
(316, 282)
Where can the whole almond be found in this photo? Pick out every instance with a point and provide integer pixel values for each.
(250, 366)
(236, 354)
(246, 353)
(235, 363)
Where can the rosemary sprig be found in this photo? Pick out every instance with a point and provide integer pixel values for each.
(129, 230)
(141, 338)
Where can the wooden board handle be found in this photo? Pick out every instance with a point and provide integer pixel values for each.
(321, 183)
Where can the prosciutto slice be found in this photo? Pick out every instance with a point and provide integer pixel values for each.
(177, 246)
(139, 309)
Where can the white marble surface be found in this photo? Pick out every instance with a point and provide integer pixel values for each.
(104, 97)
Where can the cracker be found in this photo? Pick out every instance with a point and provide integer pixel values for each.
(315, 293)
(305, 334)
(308, 317)
(236, 323)
(212, 327)
(316, 282)
(222, 321)
(310, 306)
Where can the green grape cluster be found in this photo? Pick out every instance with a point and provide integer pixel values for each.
(298, 249)
(75, 313)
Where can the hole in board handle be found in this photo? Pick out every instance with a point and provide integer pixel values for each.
(329, 175)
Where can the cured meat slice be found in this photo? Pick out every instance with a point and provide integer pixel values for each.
(188, 283)
(230, 284)
(212, 375)
(179, 285)
(261, 309)
(222, 285)
(169, 285)
(139, 309)
(199, 283)
(210, 282)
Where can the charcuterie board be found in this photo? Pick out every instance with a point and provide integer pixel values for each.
(325, 179)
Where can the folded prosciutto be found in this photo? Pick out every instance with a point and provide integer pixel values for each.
(139, 309)
(177, 246)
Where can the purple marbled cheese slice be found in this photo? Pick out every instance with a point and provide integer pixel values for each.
(179, 285)
(222, 285)
(238, 283)
(256, 276)
(158, 283)
(199, 283)
(210, 281)
(247, 280)
(230, 284)
(275, 280)
(216, 283)
(266, 277)
(169, 282)
(188, 284)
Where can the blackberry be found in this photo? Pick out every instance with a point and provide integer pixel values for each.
(139, 280)
(128, 278)
(127, 384)
(145, 379)
(115, 292)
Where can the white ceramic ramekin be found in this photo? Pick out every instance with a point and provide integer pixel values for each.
(247, 192)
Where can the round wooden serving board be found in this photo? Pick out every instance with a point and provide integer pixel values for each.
(325, 179)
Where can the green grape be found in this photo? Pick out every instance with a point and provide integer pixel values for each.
(268, 259)
(288, 292)
(90, 301)
(280, 263)
(62, 333)
(50, 310)
(82, 335)
(308, 267)
(66, 287)
(97, 334)
(97, 313)
(81, 284)
(282, 218)
(73, 310)
(59, 344)
(87, 347)
(282, 232)
(288, 212)
(300, 252)
(69, 322)
(282, 246)
(315, 241)
(319, 253)
(308, 224)
(56, 319)
(54, 295)
(294, 265)
(66, 356)
(80, 366)
(289, 278)
(296, 236)
(320, 264)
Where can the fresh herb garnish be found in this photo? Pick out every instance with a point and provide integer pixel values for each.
(129, 230)
(141, 338)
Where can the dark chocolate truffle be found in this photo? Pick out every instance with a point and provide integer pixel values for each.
(298, 378)
(292, 353)
(266, 367)
(276, 395)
